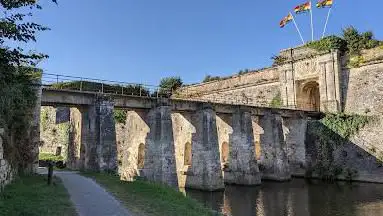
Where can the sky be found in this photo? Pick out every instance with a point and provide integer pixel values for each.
(142, 41)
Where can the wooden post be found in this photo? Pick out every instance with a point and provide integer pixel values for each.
(50, 172)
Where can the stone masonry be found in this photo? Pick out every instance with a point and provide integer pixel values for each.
(6, 171)
(305, 80)
(204, 145)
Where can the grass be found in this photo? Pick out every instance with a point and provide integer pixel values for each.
(50, 157)
(31, 196)
(144, 198)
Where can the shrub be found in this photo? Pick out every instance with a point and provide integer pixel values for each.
(120, 116)
(329, 43)
(277, 101)
(209, 78)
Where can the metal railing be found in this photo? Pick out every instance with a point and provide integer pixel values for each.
(64, 82)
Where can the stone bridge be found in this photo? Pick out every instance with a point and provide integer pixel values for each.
(183, 143)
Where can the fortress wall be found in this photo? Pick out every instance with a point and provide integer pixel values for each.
(246, 85)
(260, 95)
(362, 87)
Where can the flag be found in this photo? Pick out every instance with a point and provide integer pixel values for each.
(303, 8)
(324, 3)
(286, 20)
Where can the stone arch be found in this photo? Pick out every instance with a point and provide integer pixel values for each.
(141, 156)
(225, 152)
(309, 96)
(188, 154)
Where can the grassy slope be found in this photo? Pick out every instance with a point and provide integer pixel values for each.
(143, 198)
(30, 195)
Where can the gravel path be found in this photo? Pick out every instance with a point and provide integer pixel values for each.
(90, 198)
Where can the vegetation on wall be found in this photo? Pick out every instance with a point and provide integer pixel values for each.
(352, 42)
(278, 60)
(345, 125)
(329, 133)
(17, 78)
(244, 71)
(329, 43)
(277, 101)
(120, 116)
(209, 78)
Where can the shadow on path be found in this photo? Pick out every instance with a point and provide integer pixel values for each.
(89, 198)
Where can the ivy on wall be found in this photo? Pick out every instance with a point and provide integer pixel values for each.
(331, 132)
(17, 101)
(345, 125)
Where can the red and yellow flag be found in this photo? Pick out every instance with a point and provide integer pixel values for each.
(303, 8)
(286, 20)
(324, 3)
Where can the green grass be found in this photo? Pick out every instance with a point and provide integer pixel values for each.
(50, 157)
(31, 196)
(144, 198)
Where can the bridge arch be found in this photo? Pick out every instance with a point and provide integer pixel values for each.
(225, 153)
(188, 154)
(141, 156)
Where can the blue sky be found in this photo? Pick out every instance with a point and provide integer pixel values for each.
(144, 40)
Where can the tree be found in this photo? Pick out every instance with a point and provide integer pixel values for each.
(169, 85)
(358, 41)
(17, 76)
(209, 78)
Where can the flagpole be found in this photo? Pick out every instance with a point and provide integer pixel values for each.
(325, 25)
(296, 26)
(312, 25)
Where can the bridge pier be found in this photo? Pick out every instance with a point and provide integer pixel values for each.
(241, 167)
(160, 163)
(294, 129)
(273, 163)
(205, 172)
(98, 137)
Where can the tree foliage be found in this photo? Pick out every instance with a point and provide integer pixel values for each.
(17, 77)
(358, 41)
(209, 78)
(351, 42)
(168, 85)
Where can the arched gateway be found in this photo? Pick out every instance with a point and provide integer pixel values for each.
(308, 97)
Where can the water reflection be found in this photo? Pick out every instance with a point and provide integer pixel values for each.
(298, 197)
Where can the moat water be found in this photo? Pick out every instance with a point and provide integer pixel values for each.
(298, 197)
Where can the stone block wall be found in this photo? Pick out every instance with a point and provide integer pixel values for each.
(273, 161)
(6, 171)
(359, 158)
(256, 88)
(363, 89)
(55, 130)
